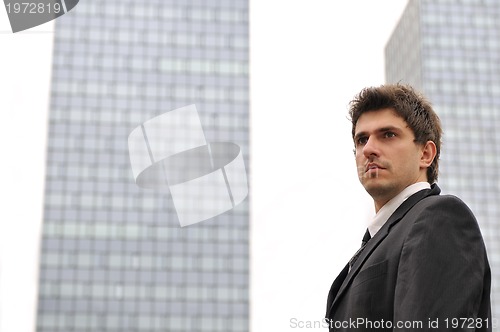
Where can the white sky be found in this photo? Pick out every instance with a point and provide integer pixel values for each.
(308, 211)
(25, 63)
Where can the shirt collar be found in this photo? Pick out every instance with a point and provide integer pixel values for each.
(388, 209)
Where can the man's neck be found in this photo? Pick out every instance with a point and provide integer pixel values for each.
(384, 213)
(379, 203)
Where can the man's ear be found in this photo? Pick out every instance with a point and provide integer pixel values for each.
(429, 151)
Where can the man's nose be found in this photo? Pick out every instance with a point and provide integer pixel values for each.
(371, 148)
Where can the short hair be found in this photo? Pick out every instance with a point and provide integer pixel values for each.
(410, 105)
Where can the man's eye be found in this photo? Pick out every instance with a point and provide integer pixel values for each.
(389, 134)
(361, 141)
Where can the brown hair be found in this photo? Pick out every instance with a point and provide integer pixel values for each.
(410, 105)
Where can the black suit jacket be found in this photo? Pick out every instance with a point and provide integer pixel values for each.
(426, 269)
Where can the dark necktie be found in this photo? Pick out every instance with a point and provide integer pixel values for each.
(366, 238)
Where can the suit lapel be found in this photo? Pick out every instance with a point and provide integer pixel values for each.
(374, 242)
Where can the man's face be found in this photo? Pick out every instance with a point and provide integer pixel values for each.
(387, 158)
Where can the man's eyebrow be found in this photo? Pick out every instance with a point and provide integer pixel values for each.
(388, 128)
(379, 130)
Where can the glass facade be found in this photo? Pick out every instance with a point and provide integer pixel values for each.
(457, 45)
(113, 255)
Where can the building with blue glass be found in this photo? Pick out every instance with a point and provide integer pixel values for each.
(450, 50)
(113, 255)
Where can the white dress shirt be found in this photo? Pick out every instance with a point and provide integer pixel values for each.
(388, 209)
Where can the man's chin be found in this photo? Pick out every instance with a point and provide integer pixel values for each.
(376, 187)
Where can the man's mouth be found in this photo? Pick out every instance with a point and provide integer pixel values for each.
(373, 167)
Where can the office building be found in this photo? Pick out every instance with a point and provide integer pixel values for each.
(450, 50)
(113, 255)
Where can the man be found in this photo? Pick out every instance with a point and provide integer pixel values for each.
(423, 264)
